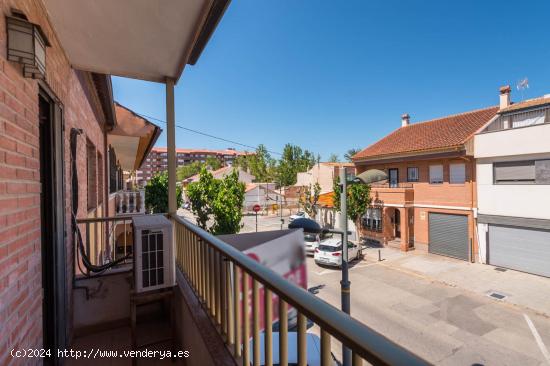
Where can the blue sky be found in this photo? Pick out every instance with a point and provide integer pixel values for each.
(332, 75)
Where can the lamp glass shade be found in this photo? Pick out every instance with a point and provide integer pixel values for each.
(372, 176)
(27, 46)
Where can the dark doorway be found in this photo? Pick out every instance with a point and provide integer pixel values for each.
(394, 177)
(397, 222)
(52, 226)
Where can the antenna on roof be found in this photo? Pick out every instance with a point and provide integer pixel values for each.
(522, 85)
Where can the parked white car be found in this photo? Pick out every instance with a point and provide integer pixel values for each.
(298, 215)
(311, 242)
(313, 349)
(329, 252)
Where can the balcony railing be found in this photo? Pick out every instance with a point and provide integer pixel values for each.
(392, 185)
(130, 202)
(220, 274)
(106, 239)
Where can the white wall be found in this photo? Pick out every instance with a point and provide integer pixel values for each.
(531, 201)
(516, 141)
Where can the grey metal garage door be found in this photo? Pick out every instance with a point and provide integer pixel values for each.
(523, 249)
(449, 235)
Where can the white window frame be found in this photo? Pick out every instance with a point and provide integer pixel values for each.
(457, 177)
(432, 178)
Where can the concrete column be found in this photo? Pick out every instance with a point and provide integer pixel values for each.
(171, 137)
(404, 222)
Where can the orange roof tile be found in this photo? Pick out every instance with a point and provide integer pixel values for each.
(441, 133)
(326, 200)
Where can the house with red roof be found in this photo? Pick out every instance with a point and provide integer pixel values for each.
(429, 200)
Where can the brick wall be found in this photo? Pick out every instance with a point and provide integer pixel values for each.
(20, 244)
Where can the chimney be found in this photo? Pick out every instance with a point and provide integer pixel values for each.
(505, 96)
(405, 119)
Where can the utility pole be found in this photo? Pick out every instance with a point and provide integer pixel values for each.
(344, 283)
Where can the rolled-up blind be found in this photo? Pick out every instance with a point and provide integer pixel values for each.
(517, 171)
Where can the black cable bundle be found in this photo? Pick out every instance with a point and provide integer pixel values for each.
(76, 230)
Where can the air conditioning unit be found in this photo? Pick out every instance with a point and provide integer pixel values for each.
(154, 262)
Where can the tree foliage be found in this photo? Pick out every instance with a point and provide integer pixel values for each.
(293, 161)
(349, 154)
(156, 194)
(333, 158)
(186, 171)
(217, 202)
(358, 199)
(309, 198)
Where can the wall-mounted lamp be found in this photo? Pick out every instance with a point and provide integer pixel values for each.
(27, 45)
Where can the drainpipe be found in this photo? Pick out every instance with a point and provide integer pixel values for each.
(171, 139)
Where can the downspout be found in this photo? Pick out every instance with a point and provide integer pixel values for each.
(473, 209)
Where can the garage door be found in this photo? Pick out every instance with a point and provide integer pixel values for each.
(449, 235)
(523, 249)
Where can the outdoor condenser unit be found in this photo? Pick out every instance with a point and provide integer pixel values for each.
(154, 262)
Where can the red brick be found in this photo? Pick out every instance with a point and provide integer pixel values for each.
(24, 149)
(15, 159)
(8, 204)
(32, 163)
(15, 132)
(24, 174)
(7, 143)
(7, 172)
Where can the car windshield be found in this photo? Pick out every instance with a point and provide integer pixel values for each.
(330, 248)
(310, 238)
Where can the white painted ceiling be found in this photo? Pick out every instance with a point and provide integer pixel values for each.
(143, 39)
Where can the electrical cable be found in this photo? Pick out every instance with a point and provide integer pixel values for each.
(205, 134)
(81, 252)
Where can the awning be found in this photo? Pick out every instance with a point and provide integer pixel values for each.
(141, 39)
(132, 138)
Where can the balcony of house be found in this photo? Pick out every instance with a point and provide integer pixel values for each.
(512, 140)
(392, 194)
(216, 312)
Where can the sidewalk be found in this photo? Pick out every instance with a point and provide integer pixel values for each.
(521, 289)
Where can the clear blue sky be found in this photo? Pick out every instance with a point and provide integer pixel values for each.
(331, 75)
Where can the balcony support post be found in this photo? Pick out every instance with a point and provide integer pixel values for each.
(171, 141)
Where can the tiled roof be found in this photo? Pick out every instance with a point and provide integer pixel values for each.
(536, 102)
(326, 200)
(441, 133)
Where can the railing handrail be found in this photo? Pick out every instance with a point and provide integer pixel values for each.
(395, 185)
(105, 218)
(368, 343)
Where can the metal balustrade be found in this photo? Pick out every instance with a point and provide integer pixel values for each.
(221, 276)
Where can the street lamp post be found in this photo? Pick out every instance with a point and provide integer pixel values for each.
(311, 226)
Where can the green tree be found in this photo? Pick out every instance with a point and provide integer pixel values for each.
(227, 205)
(219, 201)
(186, 171)
(259, 164)
(213, 163)
(333, 158)
(293, 161)
(358, 199)
(349, 154)
(156, 194)
(309, 198)
(201, 195)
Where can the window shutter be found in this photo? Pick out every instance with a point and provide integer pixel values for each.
(436, 173)
(458, 173)
(517, 171)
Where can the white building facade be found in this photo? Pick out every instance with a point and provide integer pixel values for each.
(513, 186)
